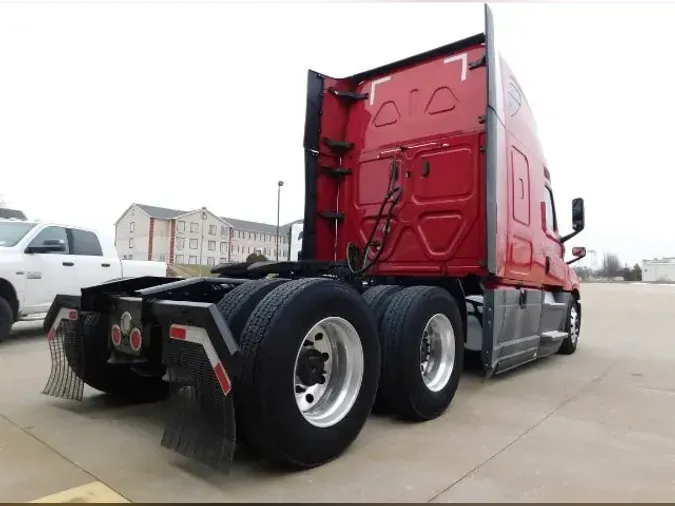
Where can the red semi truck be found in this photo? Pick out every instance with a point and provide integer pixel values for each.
(430, 229)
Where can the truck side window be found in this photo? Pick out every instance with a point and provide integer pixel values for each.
(51, 234)
(551, 221)
(85, 243)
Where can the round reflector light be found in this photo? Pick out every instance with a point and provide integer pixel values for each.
(116, 335)
(125, 322)
(135, 339)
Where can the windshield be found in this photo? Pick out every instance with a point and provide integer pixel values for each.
(11, 232)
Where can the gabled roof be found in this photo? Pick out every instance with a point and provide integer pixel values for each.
(7, 213)
(164, 213)
(161, 213)
(255, 226)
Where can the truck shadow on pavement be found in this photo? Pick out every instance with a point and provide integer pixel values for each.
(149, 418)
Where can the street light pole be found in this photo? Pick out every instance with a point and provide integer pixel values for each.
(279, 185)
(201, 242)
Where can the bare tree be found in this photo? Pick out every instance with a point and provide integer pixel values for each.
(611, 266)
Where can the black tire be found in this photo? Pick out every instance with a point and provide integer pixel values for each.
(569, 344)
(88, 357)
(6, 319)
(237, 305)
(264, 396)
(402, 328)
(377, 298)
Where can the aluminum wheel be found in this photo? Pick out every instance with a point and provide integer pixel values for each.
(328, 371)
(574, 324)
(437, 352)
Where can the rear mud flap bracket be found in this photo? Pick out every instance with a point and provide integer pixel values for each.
(65, 349)
(201, 358)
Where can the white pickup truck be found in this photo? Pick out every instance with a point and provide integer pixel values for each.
(40, 260)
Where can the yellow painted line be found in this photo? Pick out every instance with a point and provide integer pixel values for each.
(92, 492)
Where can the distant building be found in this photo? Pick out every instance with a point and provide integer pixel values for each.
(295, 240)
(8, 214)
(197, 237)
(659, 270)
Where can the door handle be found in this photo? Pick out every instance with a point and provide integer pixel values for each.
(68, 264)
(105, 265)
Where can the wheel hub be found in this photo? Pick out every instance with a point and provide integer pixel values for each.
(328, 371)
(311, 366)
(437, 352)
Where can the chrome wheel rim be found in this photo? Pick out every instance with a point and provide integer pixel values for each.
(437, 352)
(574, 324)
(328, 371)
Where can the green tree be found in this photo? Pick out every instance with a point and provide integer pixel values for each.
(256, 256)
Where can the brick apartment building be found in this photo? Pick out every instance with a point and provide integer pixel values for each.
(197, 237)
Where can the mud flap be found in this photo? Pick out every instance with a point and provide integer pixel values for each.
(66, 354)
(201, 421)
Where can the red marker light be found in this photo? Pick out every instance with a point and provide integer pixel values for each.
(136, 339)
(116, 335)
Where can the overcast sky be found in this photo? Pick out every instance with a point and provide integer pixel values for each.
(184, 106)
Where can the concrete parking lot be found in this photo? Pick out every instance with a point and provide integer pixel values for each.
(597, 425)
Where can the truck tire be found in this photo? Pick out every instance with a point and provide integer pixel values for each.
(6, 319)
(573, 327)
(423, 355)
(286, 337)
(88, 355)
(237, 305)
(377, 298)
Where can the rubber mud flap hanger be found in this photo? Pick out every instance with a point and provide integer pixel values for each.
(201, 421)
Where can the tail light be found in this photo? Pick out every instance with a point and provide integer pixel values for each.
(116, 335)
(135, 339)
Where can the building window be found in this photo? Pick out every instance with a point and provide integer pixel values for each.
(133, 211)
(210, 261)
(223, 247)
(131, 242)
(223, 230)
(181, 226)
(212, 245)
(240, 234)
(250, 235)
(255, 238)
(222, 260)
(192, 260)
(194, 227)
(193, 243)
(179, 259)
(213, 229)
(132, 226)
(180, 243)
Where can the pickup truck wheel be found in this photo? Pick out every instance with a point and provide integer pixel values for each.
(6, 318)
(423, 354)
(573, 328)
(311, 362)
(88, 354)
(378, 298)
(237, 305)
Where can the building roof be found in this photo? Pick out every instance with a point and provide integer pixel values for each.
(7, 213)
(163, 213)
